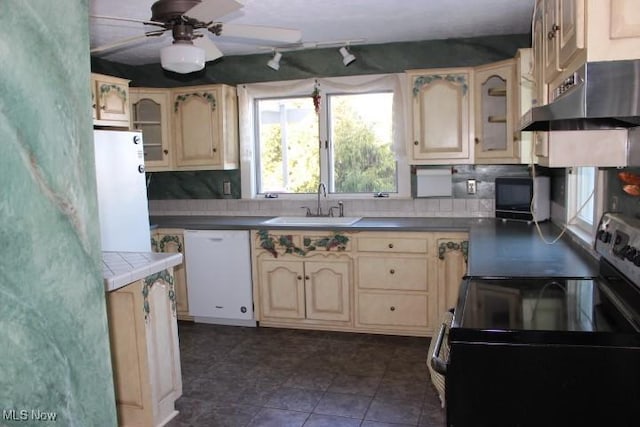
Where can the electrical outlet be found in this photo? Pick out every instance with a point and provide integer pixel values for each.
(471, 186)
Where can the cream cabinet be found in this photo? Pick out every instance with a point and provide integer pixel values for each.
(171, 240)
(452, 254)
(563, 24)
(495, 99)
(110, 101)
(313, 290)
(303, 279)
(395, 290)
(569, 32)
(524, 94)
(145, 356)
(205, 127)
(441, 101)
(371, 281)
(151, 114)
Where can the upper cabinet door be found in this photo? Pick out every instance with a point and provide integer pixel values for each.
(571, 31)
(563, 25)
(111, 100)
(442, 122)
(197, 126)
(614, 29)
(150, 114)
(494, 104)
(205, 127)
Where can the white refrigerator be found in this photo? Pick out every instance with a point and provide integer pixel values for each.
(122, 192)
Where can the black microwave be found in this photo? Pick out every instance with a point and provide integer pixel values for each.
(523, 198)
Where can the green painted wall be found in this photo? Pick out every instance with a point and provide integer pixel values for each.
(54, 355)
(371, 59)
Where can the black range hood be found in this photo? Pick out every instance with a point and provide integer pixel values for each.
(599, 95)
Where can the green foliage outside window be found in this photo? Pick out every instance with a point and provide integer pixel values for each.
(362, 156)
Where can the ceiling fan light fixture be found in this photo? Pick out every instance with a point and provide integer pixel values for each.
(182, 57)
(274, 63)
(347, 57)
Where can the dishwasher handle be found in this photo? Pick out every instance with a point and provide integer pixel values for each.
(439, 365)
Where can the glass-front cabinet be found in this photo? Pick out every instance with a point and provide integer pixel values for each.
(150, 114)
(494, 128)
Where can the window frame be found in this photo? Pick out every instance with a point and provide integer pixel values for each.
(575, 224)
(276, 90)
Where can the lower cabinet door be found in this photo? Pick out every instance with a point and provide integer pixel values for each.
(282, 289)
(392, 309)
(327, 290)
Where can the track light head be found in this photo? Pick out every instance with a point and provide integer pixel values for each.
(347, 57)
(274, 63)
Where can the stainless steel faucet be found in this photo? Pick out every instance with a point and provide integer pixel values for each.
(322, 187)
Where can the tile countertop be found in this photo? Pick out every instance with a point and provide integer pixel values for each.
(121, 268)
(496, 249)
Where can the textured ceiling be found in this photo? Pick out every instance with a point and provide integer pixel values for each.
(323, 21)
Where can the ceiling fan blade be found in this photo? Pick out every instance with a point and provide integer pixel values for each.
(257, 32)
(211, 51)
(209, 10)
(118, 18)
(126, 41)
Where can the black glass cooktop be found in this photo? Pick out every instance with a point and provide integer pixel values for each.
(536, 305)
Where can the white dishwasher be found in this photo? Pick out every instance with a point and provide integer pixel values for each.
(218, 266)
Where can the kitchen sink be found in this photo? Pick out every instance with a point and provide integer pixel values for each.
(312, 220)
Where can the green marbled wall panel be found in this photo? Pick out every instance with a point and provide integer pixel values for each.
(54, 351)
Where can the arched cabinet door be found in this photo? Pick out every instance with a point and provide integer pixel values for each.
(150, 114)
(441, 102)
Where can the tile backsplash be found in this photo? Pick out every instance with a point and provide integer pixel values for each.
(198, 193)
(431, 207)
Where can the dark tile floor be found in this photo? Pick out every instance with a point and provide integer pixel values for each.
(235, 376)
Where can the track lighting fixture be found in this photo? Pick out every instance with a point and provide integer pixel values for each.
(274, 62)
(347, 57)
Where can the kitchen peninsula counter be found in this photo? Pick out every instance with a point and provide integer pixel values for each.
(122, 268)
(496, 248)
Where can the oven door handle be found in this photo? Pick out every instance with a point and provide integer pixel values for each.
(439, 365)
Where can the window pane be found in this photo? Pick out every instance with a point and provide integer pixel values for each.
(586, 180)
(361, 134)
(288, 153)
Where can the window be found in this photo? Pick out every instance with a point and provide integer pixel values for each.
(583, 200)
(348, 145)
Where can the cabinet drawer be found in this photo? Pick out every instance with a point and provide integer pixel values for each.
(393, 273)
(386, 309)
(393, 244)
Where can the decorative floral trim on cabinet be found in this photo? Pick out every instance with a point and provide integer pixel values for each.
(170, 238)
(458, 79)
(337, 241)
(204, 95)
(271, 243)
(149, 281)
(445, 247)
(106, 88)
(154, 244)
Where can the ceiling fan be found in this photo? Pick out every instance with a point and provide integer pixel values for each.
(191, 23)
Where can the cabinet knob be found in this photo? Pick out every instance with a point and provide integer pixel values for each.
(392, 308)
(299, 277)
(215, 150)
(306, 277)
(477, 140)
(165, 151)
(390, 245)
(416, 143)
(392, 271)
(552, 33)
